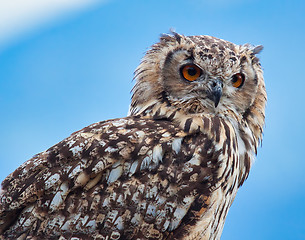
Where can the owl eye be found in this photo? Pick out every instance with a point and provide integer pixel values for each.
(238, 80)
(190, 72)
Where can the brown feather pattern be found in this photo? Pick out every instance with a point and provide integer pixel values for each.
(170, 170)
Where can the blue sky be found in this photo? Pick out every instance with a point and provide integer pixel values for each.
(77, 70)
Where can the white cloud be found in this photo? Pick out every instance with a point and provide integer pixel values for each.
(20, 16)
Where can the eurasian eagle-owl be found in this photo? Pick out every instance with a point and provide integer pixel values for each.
(170, 170)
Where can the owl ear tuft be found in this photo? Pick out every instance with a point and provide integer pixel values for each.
(257, 49)
(254, 49)
(172, 36)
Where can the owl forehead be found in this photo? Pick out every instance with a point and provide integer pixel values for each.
(213, 44)
(214, 55)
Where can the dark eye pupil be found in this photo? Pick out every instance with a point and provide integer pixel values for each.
(235, 78)
(192, 71)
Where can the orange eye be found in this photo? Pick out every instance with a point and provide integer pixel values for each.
(190, 72)
(238, 80)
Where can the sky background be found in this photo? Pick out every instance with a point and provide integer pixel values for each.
(64, 67)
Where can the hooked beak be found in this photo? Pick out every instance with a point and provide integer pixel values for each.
(215, 91)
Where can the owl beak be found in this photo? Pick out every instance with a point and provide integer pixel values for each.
(216, 91)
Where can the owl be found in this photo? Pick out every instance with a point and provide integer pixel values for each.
(169, 170)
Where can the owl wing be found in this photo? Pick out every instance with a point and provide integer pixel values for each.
(122, 178)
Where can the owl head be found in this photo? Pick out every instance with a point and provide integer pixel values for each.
(201, 75)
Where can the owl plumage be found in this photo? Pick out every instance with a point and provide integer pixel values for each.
(170, 170)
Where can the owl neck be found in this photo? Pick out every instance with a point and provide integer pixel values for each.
(217, 127)
(195, 122)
